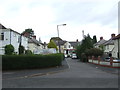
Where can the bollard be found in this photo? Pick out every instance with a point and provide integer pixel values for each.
(93, 58)
(99, 59)
(111, 61)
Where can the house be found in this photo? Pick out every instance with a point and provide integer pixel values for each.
(100, 44)
(66, 47)
(109, 45)
(9, 36)
(116, 50)
(34, 45)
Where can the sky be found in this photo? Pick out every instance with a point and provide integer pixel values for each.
(95, 17)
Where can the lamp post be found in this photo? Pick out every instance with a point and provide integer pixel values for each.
(58, 35)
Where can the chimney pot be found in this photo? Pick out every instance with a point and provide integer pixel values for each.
(112, 35)
(101, 38)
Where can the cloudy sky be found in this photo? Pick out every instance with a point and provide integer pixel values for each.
(96, 17)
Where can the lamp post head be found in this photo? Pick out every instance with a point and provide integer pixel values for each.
(64, 24)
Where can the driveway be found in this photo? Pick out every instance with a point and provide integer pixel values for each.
(75, 75)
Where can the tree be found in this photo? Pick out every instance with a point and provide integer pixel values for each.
(21, 49)
(51, 44)
(94, 39)
(86, 44)
(9, 49)
(28, 32)
(94, 52)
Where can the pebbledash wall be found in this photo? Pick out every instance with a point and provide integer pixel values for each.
(12, 37)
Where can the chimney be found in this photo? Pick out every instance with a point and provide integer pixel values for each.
(77, 40)
(112, 35)
(101, 38)
(34, 37)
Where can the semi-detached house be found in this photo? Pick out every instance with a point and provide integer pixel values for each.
(9, 36)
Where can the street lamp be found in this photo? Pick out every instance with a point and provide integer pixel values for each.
(58, 35)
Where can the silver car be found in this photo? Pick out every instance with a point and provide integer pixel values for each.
(73, 56)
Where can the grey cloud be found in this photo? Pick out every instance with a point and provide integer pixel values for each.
(84, 13)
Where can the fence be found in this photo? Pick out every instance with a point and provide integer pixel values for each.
(99, 61)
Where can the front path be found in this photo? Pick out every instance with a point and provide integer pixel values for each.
(78, 75)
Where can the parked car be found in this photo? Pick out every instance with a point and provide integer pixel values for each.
(116, 60)
(73, 56)
(107, 59)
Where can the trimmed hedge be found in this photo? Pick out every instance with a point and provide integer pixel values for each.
(16, 62)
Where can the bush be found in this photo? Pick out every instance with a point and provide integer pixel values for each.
(94, 52)
(9, 49)
(28, 52)
(13, 62)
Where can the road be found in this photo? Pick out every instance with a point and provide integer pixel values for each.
(77, 75)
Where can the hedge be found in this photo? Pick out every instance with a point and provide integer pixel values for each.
(16, 62)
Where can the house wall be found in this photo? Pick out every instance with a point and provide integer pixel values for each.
(14, 41)
(35, 48)
(11, 37)
(108, 48)
(24, 42)
(115, 50)
(32, 46)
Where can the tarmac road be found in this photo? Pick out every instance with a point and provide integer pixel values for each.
(72, 74)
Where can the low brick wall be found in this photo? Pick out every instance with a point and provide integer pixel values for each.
(100, 62)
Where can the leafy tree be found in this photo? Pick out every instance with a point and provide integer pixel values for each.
(29, 32)
(21, 49)
(94, 39)
(9, 49)
(51, 44)
(94, 52)
(86, 44)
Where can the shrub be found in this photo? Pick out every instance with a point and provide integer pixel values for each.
(94, 52)
(21, 49)
(13, 62)
(9, 49)
(27, 52)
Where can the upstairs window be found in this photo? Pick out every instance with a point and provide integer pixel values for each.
(2, 36)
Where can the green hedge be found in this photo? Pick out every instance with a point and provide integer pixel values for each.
(14, 62)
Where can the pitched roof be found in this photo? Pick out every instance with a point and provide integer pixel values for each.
(2, 27)
(30, 40)
(74, 44)
(100, 42)
(61, 42)
(109, 42)
(117, 37)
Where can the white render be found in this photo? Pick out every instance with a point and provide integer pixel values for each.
(12, 37)
(115, 50)
(108, 48)
(35, 48)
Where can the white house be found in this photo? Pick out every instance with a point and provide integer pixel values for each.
(9, 36)
(100, 44)
(109, 45)
(35, 46)
(116, 50)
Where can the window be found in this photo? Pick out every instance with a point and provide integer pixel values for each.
(69, 46)
(2, 36)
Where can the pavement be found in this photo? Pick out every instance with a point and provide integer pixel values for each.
(72, 74)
